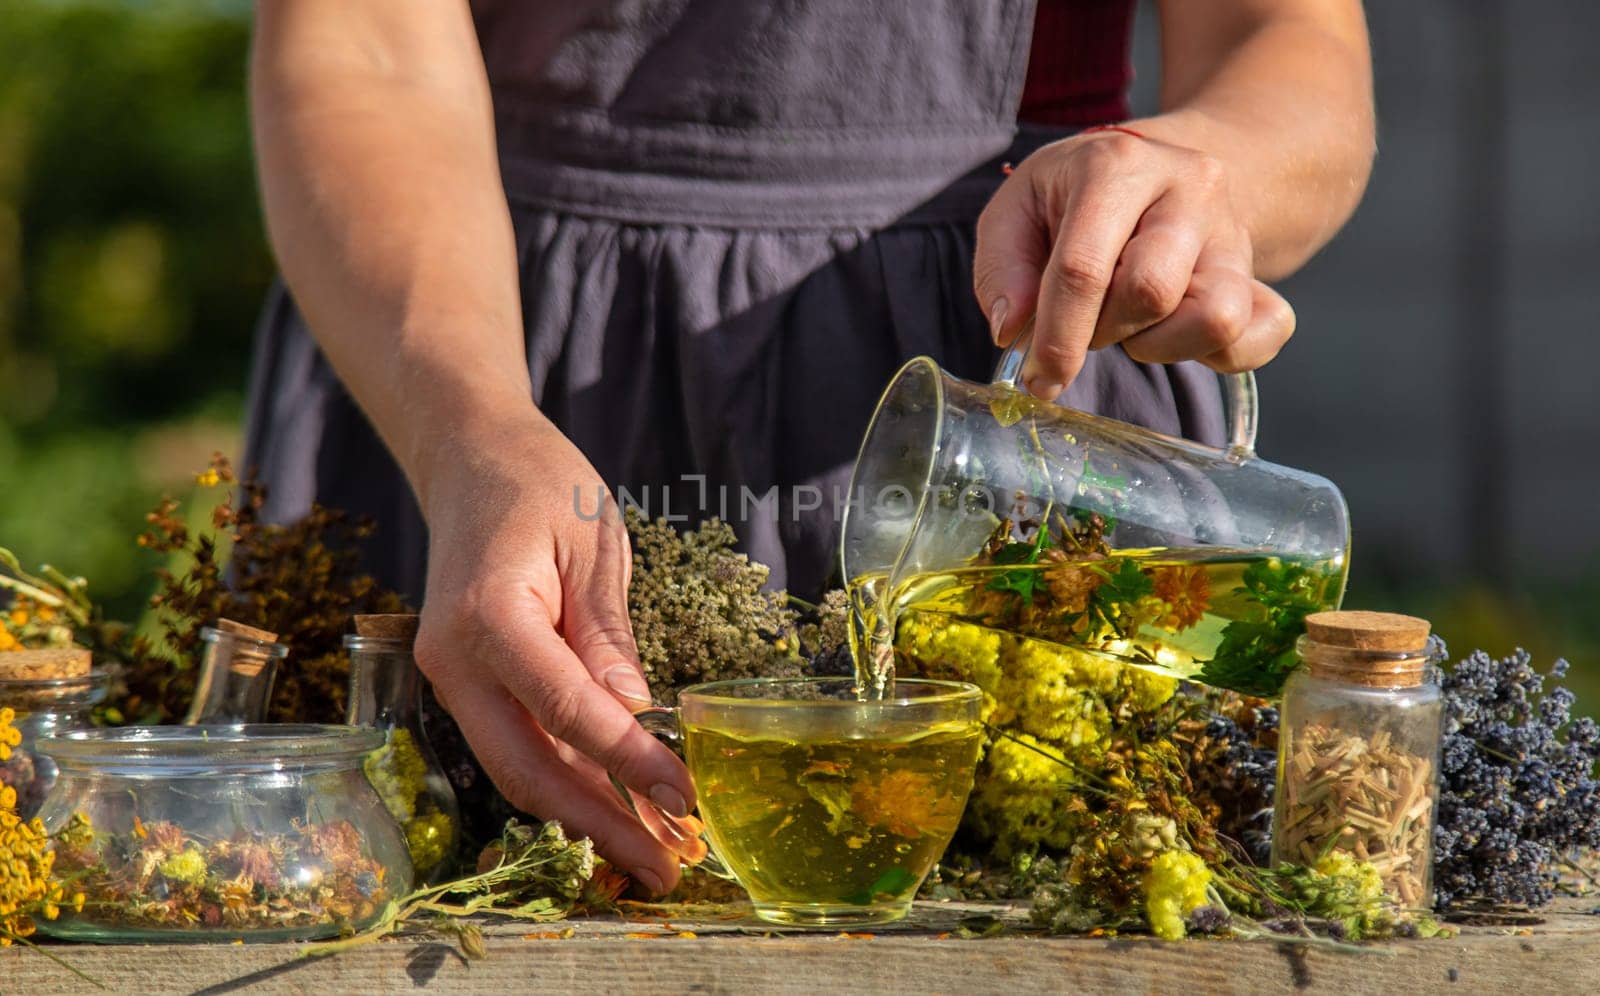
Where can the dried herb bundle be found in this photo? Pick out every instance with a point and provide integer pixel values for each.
(301, 580)
(699, 612)
(49, 609)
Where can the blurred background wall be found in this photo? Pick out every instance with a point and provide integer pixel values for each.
(1444, 368)
(1443, 374)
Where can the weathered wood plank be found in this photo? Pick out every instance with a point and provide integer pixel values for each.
(1556, 956)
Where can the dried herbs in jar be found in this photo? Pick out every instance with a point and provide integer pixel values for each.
(1358, 750)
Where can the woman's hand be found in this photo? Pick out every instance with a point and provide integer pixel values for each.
(525, 637)
(384, 202)
(1109, 238)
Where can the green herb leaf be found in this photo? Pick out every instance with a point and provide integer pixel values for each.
(1256, 656)
(1022, 583)
(980, 925)
(891, 883)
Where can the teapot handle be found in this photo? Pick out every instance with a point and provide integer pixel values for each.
(1239, 395)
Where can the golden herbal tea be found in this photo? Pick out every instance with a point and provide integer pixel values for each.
(827, 813)
(1228, 618)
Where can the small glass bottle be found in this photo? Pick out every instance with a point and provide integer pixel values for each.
(237, 668)
(49, 692)
(386, 693)
(1358, 750)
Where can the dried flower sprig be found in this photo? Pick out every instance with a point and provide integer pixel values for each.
(301, 580)
(530, 873)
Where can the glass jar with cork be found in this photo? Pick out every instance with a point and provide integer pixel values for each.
(386, 694)
(237, 668)
(1358, 750)
(49, 691)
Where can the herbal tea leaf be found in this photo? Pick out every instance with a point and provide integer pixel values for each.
(980, 925)
(891, 883)
(1255, 656)
(1125, 585)
(1023, 583)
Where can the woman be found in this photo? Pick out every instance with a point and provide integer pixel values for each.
(548, 247)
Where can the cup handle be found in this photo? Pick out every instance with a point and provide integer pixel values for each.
(1238, 390)
(662, 723)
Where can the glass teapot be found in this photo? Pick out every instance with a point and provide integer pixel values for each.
(980, 504)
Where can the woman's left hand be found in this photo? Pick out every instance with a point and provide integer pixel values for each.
(1108, 238)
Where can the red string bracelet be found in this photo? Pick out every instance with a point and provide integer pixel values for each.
(1125, 131)
(1006, 169)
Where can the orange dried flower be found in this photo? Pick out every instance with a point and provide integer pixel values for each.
(1184, 592)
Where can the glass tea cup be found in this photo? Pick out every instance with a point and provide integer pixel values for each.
(827, 808)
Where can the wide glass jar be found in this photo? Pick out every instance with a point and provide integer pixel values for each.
(217, 833)
(386, 694)
(1358, 750)
(43, 707)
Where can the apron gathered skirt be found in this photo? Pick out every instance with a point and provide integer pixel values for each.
(735, 219)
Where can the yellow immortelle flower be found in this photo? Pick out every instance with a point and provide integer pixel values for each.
(1174, 887)
(187, 866)
(208, 478)
(7, 641)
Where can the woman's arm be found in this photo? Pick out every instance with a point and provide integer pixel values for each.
(1261, 152)
(375, 142)
(1281, 93)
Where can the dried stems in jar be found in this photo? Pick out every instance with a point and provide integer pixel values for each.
(1370, 798)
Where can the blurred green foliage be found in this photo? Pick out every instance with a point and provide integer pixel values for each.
(132, 265)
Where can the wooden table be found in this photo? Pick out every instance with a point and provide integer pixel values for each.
(1561, 954)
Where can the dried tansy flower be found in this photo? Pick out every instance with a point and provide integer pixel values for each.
(28, 886)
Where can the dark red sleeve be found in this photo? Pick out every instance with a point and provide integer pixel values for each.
(1080, 64)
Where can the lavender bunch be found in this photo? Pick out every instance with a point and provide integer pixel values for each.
(1518, 793)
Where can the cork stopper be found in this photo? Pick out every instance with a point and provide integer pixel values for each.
(44, 664)
(247, 661)
(393, 626)
(1376, 649)
(1386, 632)
(248, 632)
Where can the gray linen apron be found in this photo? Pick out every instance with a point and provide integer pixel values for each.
(734, 220)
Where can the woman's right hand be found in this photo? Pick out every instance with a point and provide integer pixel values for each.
(525, 637)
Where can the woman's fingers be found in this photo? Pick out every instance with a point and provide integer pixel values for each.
(681, 835)
(594, 611)
(1145, 249)
(1105, 197)
(1227, 320)
(1012, 248)
(1153, 276)
(1211, 313)
(537, 774)
(1271, 325)
(545, 674)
